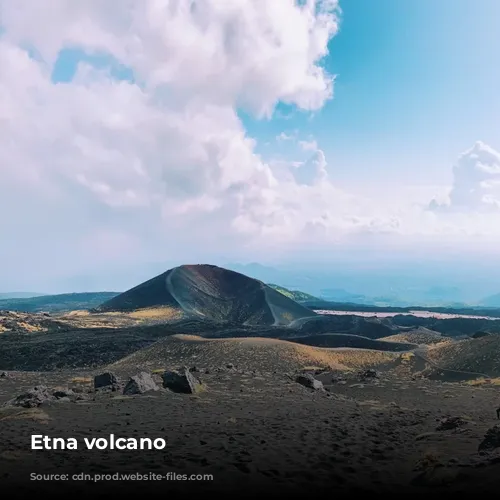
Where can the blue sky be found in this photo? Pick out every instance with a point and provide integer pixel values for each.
(124, 144)
(66, 65)
(417, 83)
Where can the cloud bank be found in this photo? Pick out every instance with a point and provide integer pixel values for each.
(141, 153)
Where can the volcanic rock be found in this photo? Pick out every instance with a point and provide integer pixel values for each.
(449, 423)
(139, 384)
(106, 381)
(33, 397)
(182, 381)
(307, 380)
(491, 439)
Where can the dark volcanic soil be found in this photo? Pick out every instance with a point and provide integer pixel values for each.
(263, 432)
(92, 347)
(253, 427)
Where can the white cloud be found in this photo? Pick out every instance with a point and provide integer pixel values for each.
(168, 153)
(254, 52)
(286, 137)
(310, 145)
(162, 167)
(313, 171)
(476, 182)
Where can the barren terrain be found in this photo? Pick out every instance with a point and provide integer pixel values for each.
(323, 405)
(260, 429)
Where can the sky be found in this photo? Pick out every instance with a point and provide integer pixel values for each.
(283, 132)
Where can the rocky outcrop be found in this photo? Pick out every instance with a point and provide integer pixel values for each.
(139, 384)
(106, 381)
(450, 423)
(181, 381)
(63, 393)
(33, 397)
(307, 380)
(491, 439)
(366, 374)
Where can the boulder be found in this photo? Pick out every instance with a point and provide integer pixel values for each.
(33, 397)
(449, 423)
(106, 381)
(182, 381)
(63, 393)
(368, 374)
(491, 439)
(139, 384)
(307, 380)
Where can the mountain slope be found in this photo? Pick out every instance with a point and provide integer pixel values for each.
(345, 340)
(296, 295)
(481, 355)
(212, 293)
(260, 354)
(420, 336)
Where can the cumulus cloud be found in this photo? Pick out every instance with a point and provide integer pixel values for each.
(163, 153)
(476, 182)
(313, 171)
(251, 51)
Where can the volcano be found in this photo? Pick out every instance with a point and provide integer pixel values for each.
(212, 293)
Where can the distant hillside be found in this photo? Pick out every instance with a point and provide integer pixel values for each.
(19, 295)
(373, 328)
(341, 295)
(451, 327)
(481, 356)
(419, 336)
(57, 303)
(212, 293)
(335, 340)
(491, 301)
(296, 295)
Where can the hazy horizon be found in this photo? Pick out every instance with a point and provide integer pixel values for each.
(348, 145)
(392, 285)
